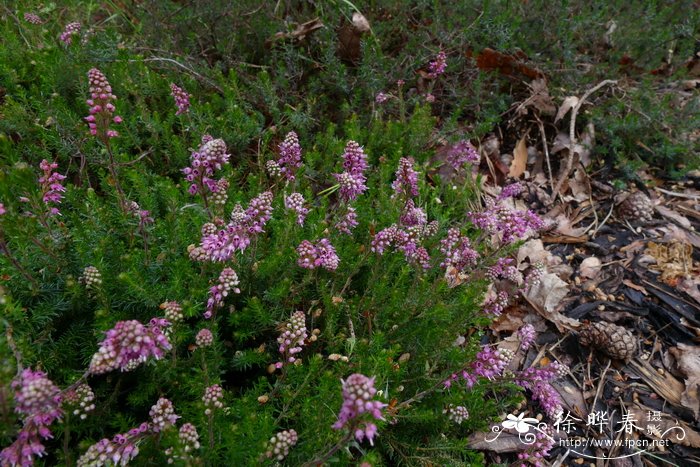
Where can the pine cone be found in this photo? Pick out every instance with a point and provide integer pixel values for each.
(636, 207)
(611, 339)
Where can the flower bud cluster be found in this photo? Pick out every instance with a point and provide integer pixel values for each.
(292, 339)
(172, 311)
(227, 283)
(101, 106)
(406, 183)
(80, 401)
(457, 414)
(204, 338)
(289, 157)
(321, 254)
(129, 344)
(51, 186)
(280, 443)
(92, 278)
(461, 154)
(71, 29)
(212, 398)
(182, 99)
(162, 415)
(295, 202)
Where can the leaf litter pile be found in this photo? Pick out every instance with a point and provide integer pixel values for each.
(619, 301)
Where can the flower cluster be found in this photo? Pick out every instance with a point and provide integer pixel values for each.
(101, 106)
(129, 344)
(51, 186)
(2, 209)
(33, 18)
(212, 398)
(406, 183)
(38, 401)
(495, 301)
(162, 415)
(188, 441)
(182, 99)
(172, 311)
(228, 281)
(92, 278)
(295, 202)
(437, 66)
(413, 215)
(538, 382)
(289, 157)
(120, 450)
(220, 245)
(457, 414)
(537, 451)
(204, 338)
(381, 98)
(142, 215)
(292, 339)
(71, 29)
(489, 364)
(461, 154)
(352, 180)
(510, 191)
(458, 251)
(347, 221)
(504, 269)
(509, 225)
(321, 254)
(280, 443)
(404, 240)
(526, 335)
(210, 157)
(80, 401)
(358, 392)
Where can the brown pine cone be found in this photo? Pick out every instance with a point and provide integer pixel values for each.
(611, 339)
(636, 207)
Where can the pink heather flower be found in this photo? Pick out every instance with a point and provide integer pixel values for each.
(101, 106)
(212, 398)
(120, 450)
(496, 303)
(228, 282)
(358, 392)
(259, 212)
(2, 209)
(458, 251)
(510, 191)
(210, 157)
(162, 415)
(489, 364)
(429, 98)
(504, 269)
(172, 311)
(406, 183)
(405, 241)
(526, 335)
(71, 29)
(461, 154)
(204, 338)
(347, 222)
(412, 215)
(352, 180)
(182, 99)
(292, 339)
(400, 82)
(33, 18)
(79, 401)
(322, 254)
(289, 156)
(437, 66)
(507, 224)
(129, 344)
(534, 453)
(51, 186)
(381, 98)
(188, 437)
(280, 443)
(295, 202)
(38, 401)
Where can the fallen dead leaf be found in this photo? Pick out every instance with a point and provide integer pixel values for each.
(298, 34)
(569, 103)
(517, 167)
(590, 267)
(549, 292)
(688, 358)
(673, 216)
(507, 64)
(666, 385)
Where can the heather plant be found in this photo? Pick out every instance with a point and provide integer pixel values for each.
(222, 282)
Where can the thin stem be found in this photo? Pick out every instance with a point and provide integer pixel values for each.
(322, 459)
(113, 172)
(6, 251)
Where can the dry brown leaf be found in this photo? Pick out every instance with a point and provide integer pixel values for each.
(590, 267)
(688, 358)
(666, 385)
(569, 103)
(549, 292)
(517, 167)
(675, 431)
(298, 34)
(507, 64)
(673, 216)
